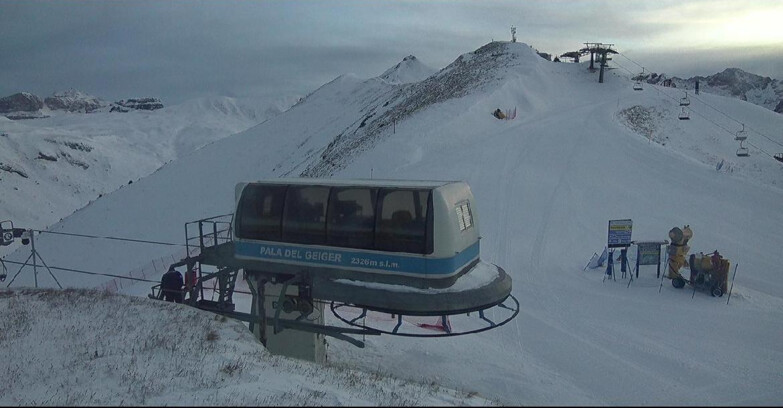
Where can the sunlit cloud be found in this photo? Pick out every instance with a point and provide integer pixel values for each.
(712, 24)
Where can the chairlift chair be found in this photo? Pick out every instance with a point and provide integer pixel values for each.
(637, 86)
(741, 137)
(684, 115)
(779, 157)
(684, 101)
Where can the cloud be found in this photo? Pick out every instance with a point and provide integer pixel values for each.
(182, 49)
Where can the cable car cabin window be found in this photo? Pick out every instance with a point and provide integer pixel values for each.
(260, 212)
(351, 217)
(402, 225)
(464, 216)
(304, 216)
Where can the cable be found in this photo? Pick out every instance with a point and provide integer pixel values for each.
(88, 273)
(703, 116)
(748, 127)
(719, 111)
(108, 237)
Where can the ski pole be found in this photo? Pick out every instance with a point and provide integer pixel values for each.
(732, 282)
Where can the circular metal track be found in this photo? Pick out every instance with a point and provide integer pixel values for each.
(479, 315)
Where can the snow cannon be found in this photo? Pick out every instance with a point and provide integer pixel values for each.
(677, 250)
(708, 272)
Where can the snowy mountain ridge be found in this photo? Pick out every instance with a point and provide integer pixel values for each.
(410, 69)
(69, 159)
(73, 100)
(463, 76)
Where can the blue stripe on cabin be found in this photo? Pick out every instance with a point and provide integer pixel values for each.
(355, 259)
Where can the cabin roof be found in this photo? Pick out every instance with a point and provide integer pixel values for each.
(356, 182)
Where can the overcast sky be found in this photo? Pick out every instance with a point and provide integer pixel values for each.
(178, 50)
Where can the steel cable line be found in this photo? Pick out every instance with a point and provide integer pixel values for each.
(729, 131)
(109, 237)
(117, 276)
(716, 109)
(88, 272)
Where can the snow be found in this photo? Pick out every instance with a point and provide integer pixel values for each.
(482, 274)
(546, 184)
(73, 158)
(78, 347)
(410, 69)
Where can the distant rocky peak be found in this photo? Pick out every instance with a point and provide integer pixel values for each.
(20, 102)
(738, 80)
(73, 100)
(126, 105)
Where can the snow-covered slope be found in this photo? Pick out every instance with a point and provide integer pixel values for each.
(410, 69)
(98, 349)
(62, 162)
(546, 185)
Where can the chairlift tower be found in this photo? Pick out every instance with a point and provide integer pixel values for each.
(599, 49)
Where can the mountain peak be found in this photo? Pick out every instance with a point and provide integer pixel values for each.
(73, 100)
(409, 70)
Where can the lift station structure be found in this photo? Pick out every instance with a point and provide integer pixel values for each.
(392, 247)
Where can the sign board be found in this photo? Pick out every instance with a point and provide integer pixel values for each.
(620, 233)
(649, 253)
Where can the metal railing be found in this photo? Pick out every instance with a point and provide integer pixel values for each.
(207, 232)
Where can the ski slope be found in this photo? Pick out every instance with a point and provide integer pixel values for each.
(66, 160)
(546, 185)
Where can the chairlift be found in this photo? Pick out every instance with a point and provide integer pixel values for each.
(684, 115)
(684, 101)
(741, 137)
(779, 157)
(637, 86)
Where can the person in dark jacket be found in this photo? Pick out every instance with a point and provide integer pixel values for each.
(171, 285)
(190, 284)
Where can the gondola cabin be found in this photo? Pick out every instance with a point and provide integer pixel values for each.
(412, 233)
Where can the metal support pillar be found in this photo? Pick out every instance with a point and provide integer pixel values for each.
(257, 308)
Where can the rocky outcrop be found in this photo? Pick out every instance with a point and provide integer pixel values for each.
(20, 102)
(73, 101)
(126, 105)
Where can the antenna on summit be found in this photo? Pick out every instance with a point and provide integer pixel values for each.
(513, 34)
